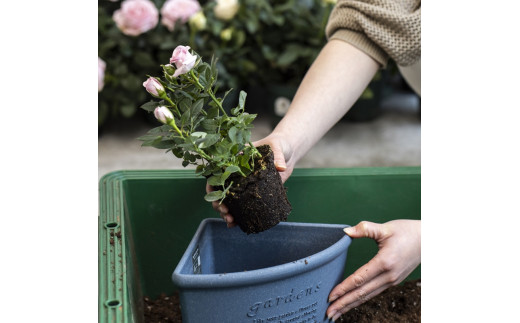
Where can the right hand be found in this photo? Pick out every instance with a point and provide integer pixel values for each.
(283, 162)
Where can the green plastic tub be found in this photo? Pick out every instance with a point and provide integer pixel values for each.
(148, 218)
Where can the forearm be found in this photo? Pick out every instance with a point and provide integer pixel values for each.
(332, 85)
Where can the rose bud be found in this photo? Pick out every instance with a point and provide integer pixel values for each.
(198, 21)
(154, 87)
(226, 9)
(168, 69)
(183, 60)
(163, 114)
(226, 34)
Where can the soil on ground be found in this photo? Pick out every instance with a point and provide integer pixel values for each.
(397, 304)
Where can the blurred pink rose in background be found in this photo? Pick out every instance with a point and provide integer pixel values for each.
(101, 74)
(183, 60)
(136, 17)
(178, 10)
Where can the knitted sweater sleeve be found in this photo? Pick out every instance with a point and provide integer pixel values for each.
(381, 28)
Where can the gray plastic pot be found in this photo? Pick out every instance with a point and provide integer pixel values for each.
(284, 274)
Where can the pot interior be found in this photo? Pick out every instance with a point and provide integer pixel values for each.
(220, 250)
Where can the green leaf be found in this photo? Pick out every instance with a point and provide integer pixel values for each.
(196, 108)
(242, 100)
(215, 180)
(287, 57)
(209, 140)
(185, 118)
(184, 104)
(208, 78)
(163, 129)
(232, 169)
(163, 144)
(214, 196)
(212, 113)
(198, 134)
(149, 137)
(232, 134)
(199, 169)
(209, 125)
(150, 106)
(177, 152)
(244, 162)
(203, 81)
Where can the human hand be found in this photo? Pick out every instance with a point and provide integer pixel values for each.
(399, 243)
(283, 162)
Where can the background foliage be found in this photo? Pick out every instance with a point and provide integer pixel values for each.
(270, 42)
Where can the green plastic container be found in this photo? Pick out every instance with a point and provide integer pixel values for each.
(148, 218)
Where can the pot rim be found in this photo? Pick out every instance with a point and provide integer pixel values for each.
(269, 274)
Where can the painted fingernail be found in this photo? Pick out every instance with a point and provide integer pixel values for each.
(335, 317)
(331, 315)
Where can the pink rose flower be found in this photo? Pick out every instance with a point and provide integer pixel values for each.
(178, 10)
(154, 87)
(101, 74)
(136, 17)
(183, 60)
(163, 114)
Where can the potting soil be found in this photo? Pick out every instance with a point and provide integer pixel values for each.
(397, 304)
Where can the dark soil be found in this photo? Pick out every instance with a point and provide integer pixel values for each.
(400, 303)
(397, 304)
(259, 201)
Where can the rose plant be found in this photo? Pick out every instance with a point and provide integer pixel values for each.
(196, 126)
(197, 129)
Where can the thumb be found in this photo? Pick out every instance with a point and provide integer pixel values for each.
(365, 229)
(279, 159)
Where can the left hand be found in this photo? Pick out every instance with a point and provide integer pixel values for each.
(399, 254)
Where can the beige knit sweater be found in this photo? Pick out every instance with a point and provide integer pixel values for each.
(381, 28)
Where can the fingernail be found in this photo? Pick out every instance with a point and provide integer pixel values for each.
(331, 315)
(280, 167)
(335, 317)
(348, 231)
(333, 298)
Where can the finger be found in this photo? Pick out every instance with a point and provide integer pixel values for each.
(228, 218)
(358, 279)
(215, 206)
(356, 298)
(279, 159)
(366, 229)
